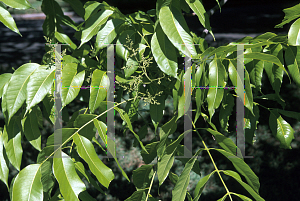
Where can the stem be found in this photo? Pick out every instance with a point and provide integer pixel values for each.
(212, 160)
(80, 129)
(150, 185)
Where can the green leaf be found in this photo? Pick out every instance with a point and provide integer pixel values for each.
(226, 143)
(164, 52)
(216, 79)
(17, 88)
(8, 20)
(200, 185)
(167, 129)
(110, 144)
(4, 79)
(295, 115)
(98, 91)
(65, 134)
(274, 97)
(234, 77)
(237, 177)
(185, 97)
(165, 162)
(175, 27)
(87, 152)
(125, 118)
(63, 38)
(265, 57)
(156, 111)
(28, 185)
(70, 184)
(12, 144)
(242, 168)
(108, 33)
(152, 153)
(294, 34)
(17, 4)
(251, 122)
(77, 6)
(290, 14)
(255, 69)
(275, 74)
(241, 196)
(121, 50)
(138, 195)
(142, 176)
(86, 121)
(203, 17)
(226, 110)
(39, 85)
(71, 83)
(31, 128)
(79, 166)
(281, 129)
(180, 189)
(93, 25)
(248, 93)
(4, 162)
(292, 59)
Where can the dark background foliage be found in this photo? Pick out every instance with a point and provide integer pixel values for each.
(275, 167)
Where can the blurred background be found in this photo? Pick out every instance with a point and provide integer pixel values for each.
(275, 167)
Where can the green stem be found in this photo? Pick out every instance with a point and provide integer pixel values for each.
(81, 129)
(212, 160)
(150, 185)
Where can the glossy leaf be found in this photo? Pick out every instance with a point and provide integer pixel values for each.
(98, 91)
(294, 33)
(164, 52)
(31, 128)
(237, 177)
(93, 25)
(226, 143)
(70, 184)
(290, 14)
(216, 80)
(18, 4)
(200, 186)
(85, 120)
(180, 189)
(28, 185)
(110, 144)
(292, 59)
(125, 118)
(63, 38)
(87, 152)
(39, 85)
(281, 129)
(234, 77)
(199, 9)
(4, 79)
(226, 110)
(77, 6)
(156, 111)
(175, 27)
(63, 134)
(152, 153)
(255, 69)
(8, 20)
(121, 50)
(69, 78)
(17, 88)
(275, 74)
(185, 97)
(142, 176)
(167, 129)
(242, 168)
(265, 57)
(251, 122)
(108, 33)
(165, 163)
(139, 195)
(13, 146)
(4, 163)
